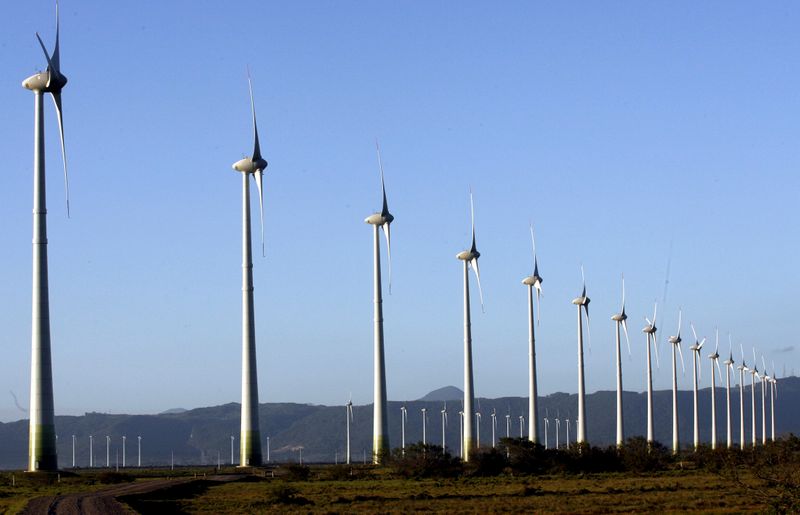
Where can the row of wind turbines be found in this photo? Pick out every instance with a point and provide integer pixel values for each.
(42, 434)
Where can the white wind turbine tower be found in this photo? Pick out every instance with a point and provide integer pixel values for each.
(380, 426)
(42, 453)
(494, 428)
(250, 437)
(728, 367)
(533, 281)
(521, 426)
(582, 301)
(470, 259)
(620, 320)
(773, 391)
(546, 428)
(424, 425)
(753, 375)
(348, 419)
(461, 434)
(444, 427)
(403, 420)
(742, 369)
(558, 430)
(478, 429)
(764, 380)
(650, 330)
(714, 357)
(695, 348)
(508, 425)
(676, 345)
(567, 433)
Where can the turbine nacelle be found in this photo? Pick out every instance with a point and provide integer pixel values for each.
(46, 82)
(468, 255)
(250, 165)
(583, 300)
(619, 317)
(675, 340)
(532, 280)
(379, 219)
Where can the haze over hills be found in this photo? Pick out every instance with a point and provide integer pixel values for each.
(200, 436)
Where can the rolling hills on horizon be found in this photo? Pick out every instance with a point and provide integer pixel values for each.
(203, 435)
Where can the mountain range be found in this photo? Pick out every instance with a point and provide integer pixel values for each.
(203, 435)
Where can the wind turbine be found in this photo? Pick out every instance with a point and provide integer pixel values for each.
(753, 375)
(546, 428)
(470, 259)
(444, 427)
(461, 434)
(773, 392)
(742, 369)
(695, 348)
(676, 344)
(139, 453)
(508, 425)
(650, 330)
(348, 419)
(521, 426)
(582, 302)
(380, 424)
(764, 380)
(494, 428)
(620, 321)
(558, 429)
(728, 367)
(533, 282)
(424, 425)
(478, 429)
(108, 451)
(714, 357)
(567, 433)
(42, 453)
(403, 420)
(250, 437)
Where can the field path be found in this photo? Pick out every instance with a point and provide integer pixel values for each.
(104, 502)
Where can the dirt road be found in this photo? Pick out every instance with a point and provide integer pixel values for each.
(104, 502)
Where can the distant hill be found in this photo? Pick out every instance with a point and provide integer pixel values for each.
(199, 436)
(448, 393)
(173, 411)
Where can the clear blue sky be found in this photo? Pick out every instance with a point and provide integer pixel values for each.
(621, 129)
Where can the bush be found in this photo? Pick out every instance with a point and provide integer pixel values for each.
(420, 461)
(486, 463)
(297, 472)
(637, 455)
(281, 493)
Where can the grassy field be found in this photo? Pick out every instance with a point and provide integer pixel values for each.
(665, 492)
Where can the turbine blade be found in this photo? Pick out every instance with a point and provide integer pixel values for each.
(719, 370)
(256, 145)
(259, 174)
(701, 344)
(680, 320)
(59, 113)
(387, 232)
(683, 367)
(474, 264)
(588, 327)
(655, 312)
(691, 324)
(716, 346)
(473, 248)
(533, 246)
(385, 207)
(655, 351)
(56, 54)
(583, 279)
(623, 293)
(627, 340)
(538, 302)
(50, 66)
(700, 368)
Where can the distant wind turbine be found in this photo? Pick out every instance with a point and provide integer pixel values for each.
(478, 429)
(250, 437)
(676, 345)
(461, 434)
(348, 419)
(695, 348)
(714, 357)
(403, 420)
(764, 380)
(753, 375)
(620, 321)
(533, 282)
(494, 428)
(772, 394)
(508, 425)
(470, 259)
(424, 425)
(42, 453)
(650, 330)
(546, 431)
(521, 426)
(380, 426)
(444, 428)
(582, 302)
(728, 367)
(558, 429)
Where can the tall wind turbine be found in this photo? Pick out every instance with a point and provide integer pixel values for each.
(42, 454)
(380, 425)
(728, 367)
(250, 438)
(676, 345)
(494, 428)
(424, 425)
(650, 330)
(478, 429)
(695, 348)
(620, 321)
(581, 302)
(753, 375)
(773, 391)
(403, 420)
(764, 380)
(470, 259)
(533, 282)
(348, 418)
(742, 369)
(444, 428)
(714, 357)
